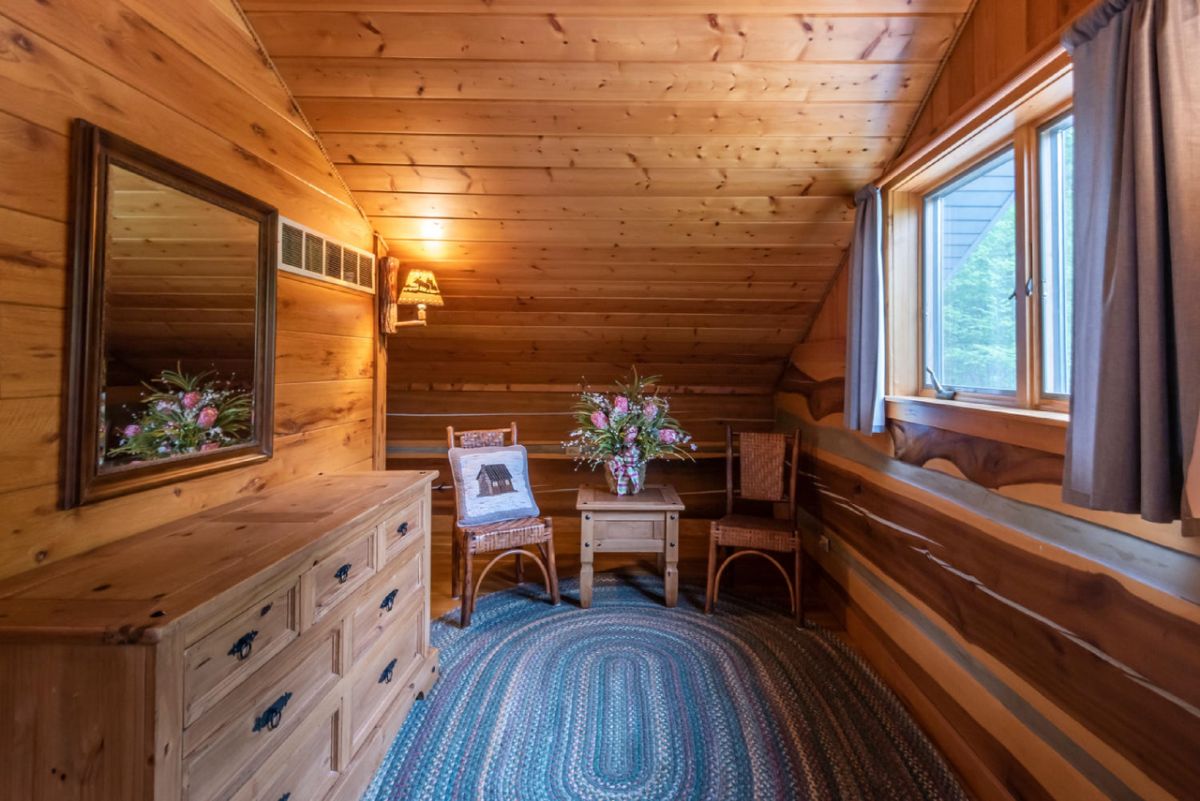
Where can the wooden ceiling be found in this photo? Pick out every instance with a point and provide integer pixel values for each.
(597, 184)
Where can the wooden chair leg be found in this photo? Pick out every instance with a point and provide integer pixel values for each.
(712, 573)
(455, 564)
(797, 583)
(550, 566)
(468, 590)
(520, 570)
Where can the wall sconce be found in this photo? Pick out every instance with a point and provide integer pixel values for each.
(420, 289)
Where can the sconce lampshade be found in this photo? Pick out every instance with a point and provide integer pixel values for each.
(420, 287)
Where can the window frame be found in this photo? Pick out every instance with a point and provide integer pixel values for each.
(1043, 395)
(928, 279)
(1012, 117)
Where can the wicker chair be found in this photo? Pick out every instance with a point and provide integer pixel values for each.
(509, 537)
(764, 467)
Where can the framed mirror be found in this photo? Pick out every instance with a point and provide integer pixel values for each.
(171, 368)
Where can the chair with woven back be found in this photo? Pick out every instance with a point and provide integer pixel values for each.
(504, 538)
(767, 472)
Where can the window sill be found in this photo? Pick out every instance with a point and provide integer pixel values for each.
(1027, 428)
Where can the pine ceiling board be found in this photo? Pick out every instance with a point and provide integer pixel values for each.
(602, 207)
(721, 82)
(585, 182)
(607, 182)
(625, 254)
(519, 271)
(621, 319)
(620, 7)
(573, 37)
(442, 347)
(367, 115)
(609, 272)
(678, 290)
(621, 231)
(605, 334)
(581, 353)
(776, 152)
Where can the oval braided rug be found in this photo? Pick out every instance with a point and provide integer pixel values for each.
(631, 700)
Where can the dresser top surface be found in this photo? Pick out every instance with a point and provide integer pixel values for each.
(131, 589)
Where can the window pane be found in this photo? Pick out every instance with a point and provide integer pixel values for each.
(971, 267)
(1056, 164)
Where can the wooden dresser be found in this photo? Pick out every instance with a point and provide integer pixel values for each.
(265, 650)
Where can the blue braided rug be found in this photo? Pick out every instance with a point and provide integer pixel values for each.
(630, 700)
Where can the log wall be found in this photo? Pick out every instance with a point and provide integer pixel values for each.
(1051, 651)
(187, 80)
(418, 416)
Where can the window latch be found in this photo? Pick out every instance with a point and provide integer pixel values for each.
(941, 392)
(1028, 290)
(1029, 287)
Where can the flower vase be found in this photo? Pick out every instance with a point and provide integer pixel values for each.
(625, 479)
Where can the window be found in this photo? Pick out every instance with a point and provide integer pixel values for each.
(996, 271)
(970, 264)
(1056, 149)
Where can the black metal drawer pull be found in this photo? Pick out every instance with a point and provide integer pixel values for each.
(245, 644)
(388, 601)
(272, 716)
(285, 797)
(402, 529)
(342, 573)
(386, 676)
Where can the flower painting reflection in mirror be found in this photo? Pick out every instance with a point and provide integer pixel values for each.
(179, 310)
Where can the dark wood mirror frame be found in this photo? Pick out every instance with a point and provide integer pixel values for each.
(93, 151)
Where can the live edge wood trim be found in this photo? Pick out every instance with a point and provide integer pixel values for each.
(1120, 665)
(1037, 430)
(986, 462)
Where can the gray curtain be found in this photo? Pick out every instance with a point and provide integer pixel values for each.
(864, 331)
(1136, 371)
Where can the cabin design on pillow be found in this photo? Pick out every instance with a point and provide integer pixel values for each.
(494, 479)
(492, 484)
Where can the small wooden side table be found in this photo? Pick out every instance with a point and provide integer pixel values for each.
(644, 523)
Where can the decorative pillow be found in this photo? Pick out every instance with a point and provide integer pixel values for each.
(492, 484)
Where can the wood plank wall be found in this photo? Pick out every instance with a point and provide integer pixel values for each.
(188, 80)
(417, 420)
(998, 40)
(1051, 651)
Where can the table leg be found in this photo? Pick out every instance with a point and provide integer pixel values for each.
(586, 558)
(671, 574)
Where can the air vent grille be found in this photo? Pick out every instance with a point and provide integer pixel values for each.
(291, 247)
(304, 251)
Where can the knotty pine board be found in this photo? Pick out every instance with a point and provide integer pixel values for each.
(210, 102)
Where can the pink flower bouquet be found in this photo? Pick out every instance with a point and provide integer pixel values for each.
(624, 431)
(189, 414)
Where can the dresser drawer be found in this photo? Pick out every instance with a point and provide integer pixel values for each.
(304, 767)
(222, 659)
(386, 603)
(227, 744)
(402, 527)
(381, 674)
(342, 572)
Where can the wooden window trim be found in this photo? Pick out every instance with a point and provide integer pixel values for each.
(1029, 428)
(1011, 117)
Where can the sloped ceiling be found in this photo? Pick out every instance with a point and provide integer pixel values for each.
(603, 183)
